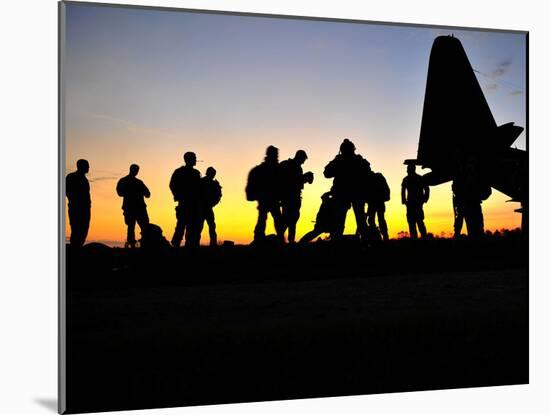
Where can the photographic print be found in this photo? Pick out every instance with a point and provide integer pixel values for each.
(259, 207)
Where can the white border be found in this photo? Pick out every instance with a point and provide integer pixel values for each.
(28, 174)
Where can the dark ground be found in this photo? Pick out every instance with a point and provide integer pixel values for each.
(245, 324)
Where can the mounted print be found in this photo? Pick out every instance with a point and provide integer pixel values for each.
(259, 207)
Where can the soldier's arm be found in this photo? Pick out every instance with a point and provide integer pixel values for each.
(146, 191)
(329, 170)
(403, 192)
(120, 188)
(68, 187)
(173, 185)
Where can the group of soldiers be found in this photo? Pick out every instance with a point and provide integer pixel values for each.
(277, 189)
(196, 197)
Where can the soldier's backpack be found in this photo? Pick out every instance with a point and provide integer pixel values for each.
(254, 183)
(288, 180)
(216, 194)
(382, 187)
(152, 238)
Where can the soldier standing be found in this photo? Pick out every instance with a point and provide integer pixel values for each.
(263, 185)
(458, 209)
(470, 191)
(292, 182)
(211, 195)
(133, 191)
(348, 170)
(414, 193)
(379, 194)
(185, 186)
(78, 193)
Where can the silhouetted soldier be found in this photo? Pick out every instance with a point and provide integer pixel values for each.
(292, 183)
(133, 191)
(211, 195)
(414, 193)
(349, 170)
(326, 220)
(379, 194)
(78, 193)
(263, 185)
(185, 186)
(470, 191)
(458, 209)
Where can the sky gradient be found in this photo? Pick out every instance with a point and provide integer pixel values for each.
(145, 86)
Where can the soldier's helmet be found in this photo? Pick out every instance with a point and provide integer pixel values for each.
(347, 147)
(301, 156)
(272, 153)
(211, 172)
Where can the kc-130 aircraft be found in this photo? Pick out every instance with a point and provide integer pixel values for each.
(458, 127)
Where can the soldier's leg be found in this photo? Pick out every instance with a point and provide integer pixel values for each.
(310, 236)
(420, 222)
(259, 230)
(285, 215)
(360, 219)
(470, 219)
(130, 221)
(340, 211)
(180, 227)
(422, 229)
(459, 217)
(411, 220)
(211, 222)
(80, 222)
(475, 216)
(293, 216)
(382, 221)
(73, 218)
(481, 220)
(292, 227)
(278, 223)
(194, 227)
(480, 228)
(371, 212)
(85, 224)
(142, 220)
(197, 233)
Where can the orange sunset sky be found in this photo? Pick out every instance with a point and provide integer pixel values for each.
(145, 86)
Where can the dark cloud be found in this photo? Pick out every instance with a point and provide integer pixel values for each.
(102, 178)
(501, 69)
